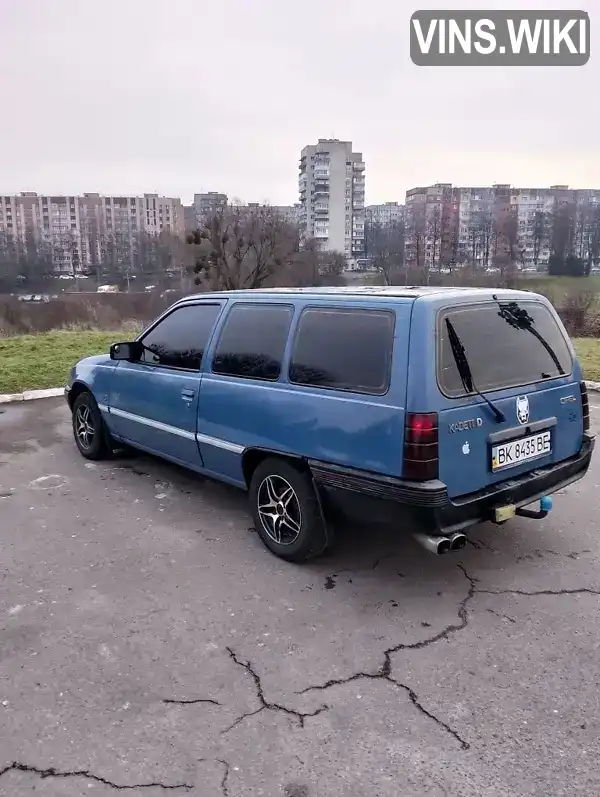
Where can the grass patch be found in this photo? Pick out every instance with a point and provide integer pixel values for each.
(44, 360)
(41, 361)
(561, 287)
(588, 352)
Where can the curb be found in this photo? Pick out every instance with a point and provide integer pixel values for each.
(31, 395)
(53, 392)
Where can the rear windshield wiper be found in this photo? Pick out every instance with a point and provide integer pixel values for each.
(519, 318)
(464, 370)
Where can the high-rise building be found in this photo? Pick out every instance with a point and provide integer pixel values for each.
(332, 196)
(76, 233)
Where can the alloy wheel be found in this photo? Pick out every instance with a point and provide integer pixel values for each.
(84, 426)
(279, 510)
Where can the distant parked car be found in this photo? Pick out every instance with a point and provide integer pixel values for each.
(108, 289)
(34, 297)
(442, 406)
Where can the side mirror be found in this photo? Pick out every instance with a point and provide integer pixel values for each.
(126, 351)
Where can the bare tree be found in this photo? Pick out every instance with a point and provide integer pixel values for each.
(506, 242)
(473, 238)
(158, 257)
(566, 256)
(94, 243)
(310, 266)
(416, 235)
(485, 225)
(563, 230)
(25, 261)
(480, 237)
(10, 268)
(239, 248)
(593, 239)
(452, 238)
(539, 234)
(586, 247)
(385, 245)
(433, 238)
(177, 263)
(331, 268)
(34, 268)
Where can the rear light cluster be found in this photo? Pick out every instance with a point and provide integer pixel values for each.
(585, 407)
(421, 457)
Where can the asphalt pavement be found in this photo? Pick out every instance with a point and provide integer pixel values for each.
(150, 644)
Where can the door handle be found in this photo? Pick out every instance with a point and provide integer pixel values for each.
(187, 394)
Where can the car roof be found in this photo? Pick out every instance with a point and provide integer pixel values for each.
(381, 292)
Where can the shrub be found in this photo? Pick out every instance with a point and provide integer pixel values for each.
(576, 309)
(81, 311)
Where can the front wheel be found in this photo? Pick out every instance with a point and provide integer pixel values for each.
(286, 510)
(89, 430)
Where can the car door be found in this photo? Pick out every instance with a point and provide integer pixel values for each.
(153, 402)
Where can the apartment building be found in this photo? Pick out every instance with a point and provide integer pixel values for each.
(485, 225)
(208, 204)
(291, 213)
(431, 220)
(475, 225)
(189, 217)
(76, 233)
(387, 214)
(162, 214)
(332, 197)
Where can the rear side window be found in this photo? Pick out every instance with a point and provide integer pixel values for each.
(253, 341)
(507, 344)
(344, 349)
(179, 340)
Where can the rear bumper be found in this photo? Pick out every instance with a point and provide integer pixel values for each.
(478, 507)
(429, 501)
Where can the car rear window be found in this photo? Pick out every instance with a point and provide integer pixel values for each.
(507, 344)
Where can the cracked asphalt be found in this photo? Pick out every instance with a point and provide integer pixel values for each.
(150, 644)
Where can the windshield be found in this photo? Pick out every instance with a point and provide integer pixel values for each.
(506, 344)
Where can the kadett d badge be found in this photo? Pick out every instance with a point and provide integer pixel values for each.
(463, 426)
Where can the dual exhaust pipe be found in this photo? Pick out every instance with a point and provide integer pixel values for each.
(441, 545)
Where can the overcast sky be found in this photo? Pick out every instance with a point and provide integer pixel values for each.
(182, 96)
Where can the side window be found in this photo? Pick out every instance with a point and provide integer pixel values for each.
(179, 340)
(344, 349)
(253, 341)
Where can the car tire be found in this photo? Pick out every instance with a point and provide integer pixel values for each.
(89, 430)
(287, 512)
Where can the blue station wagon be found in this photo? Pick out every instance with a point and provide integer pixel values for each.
(439, 408)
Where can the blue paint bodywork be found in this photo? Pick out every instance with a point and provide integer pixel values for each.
(207, 422)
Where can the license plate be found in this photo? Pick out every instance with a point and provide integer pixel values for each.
(508, 455)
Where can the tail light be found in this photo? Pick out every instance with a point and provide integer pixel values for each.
(585, 407)
(421, 457)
